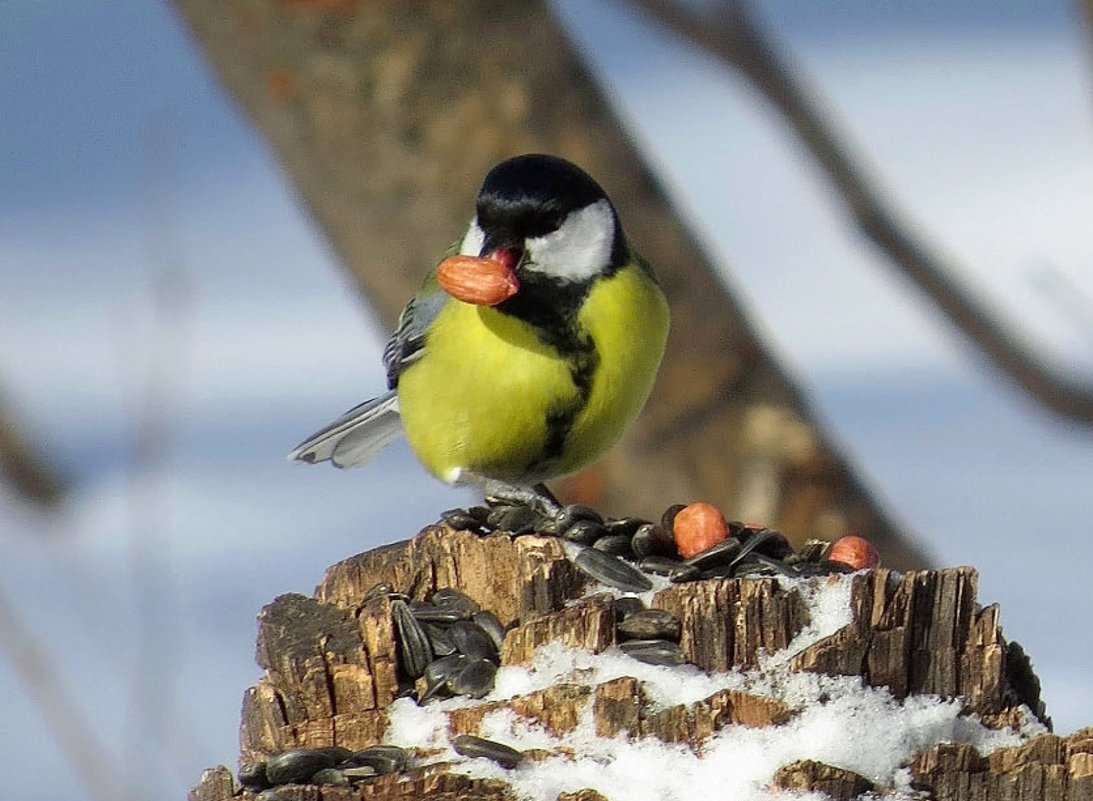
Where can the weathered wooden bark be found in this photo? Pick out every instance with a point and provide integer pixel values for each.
(331, 666)
(387, 114)
(808, 774)
(1048, 767)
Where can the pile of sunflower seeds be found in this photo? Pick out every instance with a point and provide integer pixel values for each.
(340, 767)
(331, 766)
(449, 640)
(454, 645)
(619, 552)
(647, 635)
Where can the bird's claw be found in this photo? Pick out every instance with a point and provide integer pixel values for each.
(538, 498)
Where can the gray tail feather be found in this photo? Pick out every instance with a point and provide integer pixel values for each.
(356, 437)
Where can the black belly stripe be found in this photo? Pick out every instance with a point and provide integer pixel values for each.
(583, 361)
(551, 309)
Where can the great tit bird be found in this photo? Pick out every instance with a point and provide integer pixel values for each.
(527, 352)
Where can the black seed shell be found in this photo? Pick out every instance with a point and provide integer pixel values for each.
(471, 640)
(614, 544)
(470, 746)
(297, 765)
(568, 515)
(650, 624)
(475, 680)
(653, 652)
(652, 540)
(489, 623)
(721, 553)
(415, 651)
(584, 532)
(611, 570)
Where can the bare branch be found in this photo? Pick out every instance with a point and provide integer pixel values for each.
(733, 37)
(22, 465)
(77, 738)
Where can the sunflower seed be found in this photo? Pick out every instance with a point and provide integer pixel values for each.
(515, 519)
(440, 639)
(426, 612)
(610, 570)
(381, 759)
(440, 671)
(653, 652)
(650, 624)
(469, 639)
(652, 540)
(775, 565)
(672, 568)
(358, 773)
(668, 519)
(626, 526)
(757, 564)
(297, 765)
(614, 544)
(451, 598)
(811, 569)
(252, 775)
(461, 520)
(569, 515)
(584, 532)
(415, 652)
(626, 606)
(475, 680)
(330, 776)
(721, 553)
(489, 623)
(282, 793)
(470, 746)
(765, 541)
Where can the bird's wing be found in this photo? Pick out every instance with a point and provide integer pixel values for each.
(362, 432)
(407, 344)
(355, 437)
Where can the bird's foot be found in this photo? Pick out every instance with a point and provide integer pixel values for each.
(538, 498)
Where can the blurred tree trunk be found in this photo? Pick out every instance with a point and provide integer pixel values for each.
(386, 115)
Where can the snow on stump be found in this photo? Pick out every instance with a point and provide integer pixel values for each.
(899, 685)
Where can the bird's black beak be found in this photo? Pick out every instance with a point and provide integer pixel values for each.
(510, 257)
(506, 249)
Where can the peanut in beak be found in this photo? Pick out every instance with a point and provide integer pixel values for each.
(483, 282)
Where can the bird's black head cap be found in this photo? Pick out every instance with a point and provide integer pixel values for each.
(529, 196)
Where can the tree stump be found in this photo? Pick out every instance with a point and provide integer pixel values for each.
(332, 670)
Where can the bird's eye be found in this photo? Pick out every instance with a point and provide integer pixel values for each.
(555, 220)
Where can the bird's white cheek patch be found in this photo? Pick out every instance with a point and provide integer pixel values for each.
(580, 248)
(472, 240)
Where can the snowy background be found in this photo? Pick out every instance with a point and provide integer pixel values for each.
(124, 168)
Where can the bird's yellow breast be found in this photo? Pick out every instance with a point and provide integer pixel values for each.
(477, 402)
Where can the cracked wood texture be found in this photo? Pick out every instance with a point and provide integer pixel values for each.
(1044, 769)
(331, 667)
(386, 115)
